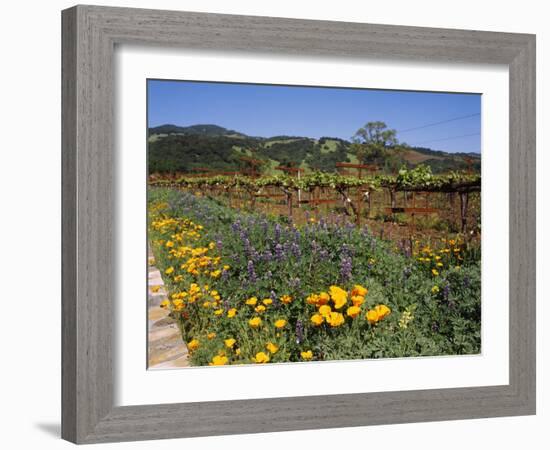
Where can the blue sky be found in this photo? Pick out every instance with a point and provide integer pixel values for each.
(266, 110)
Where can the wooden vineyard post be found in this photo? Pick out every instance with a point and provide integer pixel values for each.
(452, 203)
(393, 203)
(252, 199)
(369, 202)
(463, 210)
(289, 203)
(315, 195)
(357, 211)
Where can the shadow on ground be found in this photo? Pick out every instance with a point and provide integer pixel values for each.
(53, 429)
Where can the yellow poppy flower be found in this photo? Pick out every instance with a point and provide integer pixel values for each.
(273, 348)
(229, 343)
(372, 316)
(359, 290)
(259, 309)
(232, 313)
(193, 344)
(252, 301)
(323, 298)
(357, 300)
(178, 304)
(317, 319)
(286, 299)
(353, 311)
(280, 323)
(383, 311)
(218, 312)
(307, 355)
(211, 335)
(312, 299)
(335, 319)
(165, 304)
(255, 322)
(325, 310)
(260, 358)
(267, 301)
(219, 360)
(169, 270)
(338, 296)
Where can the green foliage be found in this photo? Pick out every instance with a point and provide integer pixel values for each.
(420, 178)
(177, 153)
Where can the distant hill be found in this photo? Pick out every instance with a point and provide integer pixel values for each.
(195, 148)
(206, 130)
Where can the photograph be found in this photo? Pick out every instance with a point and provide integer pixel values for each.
(299, 224)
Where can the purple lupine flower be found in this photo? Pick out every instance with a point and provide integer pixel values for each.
(345, 250)
(295, 249)
(267, 256)
(446, 291)
(251, 272)
(277, 232)
(466, 281)
(279, 253)
(236, 226)
(247, 247)
(299, 331)
(286, 247)
(345, 268)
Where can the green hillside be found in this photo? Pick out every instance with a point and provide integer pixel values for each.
(195, 148)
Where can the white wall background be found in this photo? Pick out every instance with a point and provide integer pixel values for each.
(30, 221)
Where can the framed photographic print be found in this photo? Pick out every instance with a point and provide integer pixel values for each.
(307, 224)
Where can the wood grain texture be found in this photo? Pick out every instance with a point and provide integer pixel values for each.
(89, 36)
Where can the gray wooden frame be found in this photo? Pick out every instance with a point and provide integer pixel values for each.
(89, 37)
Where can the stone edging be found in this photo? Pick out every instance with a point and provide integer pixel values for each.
(165, 347)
